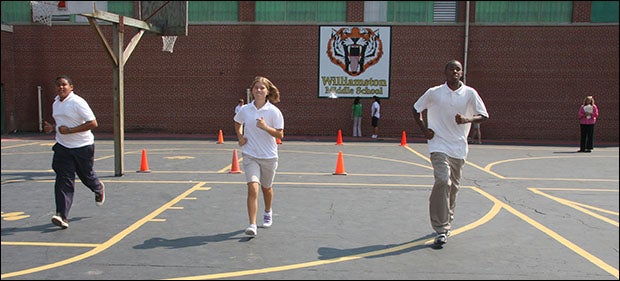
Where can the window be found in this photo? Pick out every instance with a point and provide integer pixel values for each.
(421, 11)
(301, 11)
(210, 11)
(16, 12)
(410, 11)
(524, 11)
(603, 11)
(444, 11)
(123, 8)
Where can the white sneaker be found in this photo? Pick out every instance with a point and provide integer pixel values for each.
(251, 230)
(59, 221)
(441, 239)
(268, 219)
(100, 198)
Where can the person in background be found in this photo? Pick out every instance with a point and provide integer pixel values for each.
(74, 151)
(356, 114)
(444, 114)
(588, 113)
(240, 104)
(258, 125)
(375, 112)
(476, 134)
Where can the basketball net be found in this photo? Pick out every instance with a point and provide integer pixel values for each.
(42, 11)
(168, 43)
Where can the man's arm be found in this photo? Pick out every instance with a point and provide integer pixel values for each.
(420, 119)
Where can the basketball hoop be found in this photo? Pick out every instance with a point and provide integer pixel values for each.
(42, 11)
(168, 43)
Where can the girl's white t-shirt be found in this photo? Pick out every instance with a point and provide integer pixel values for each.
(260, 144)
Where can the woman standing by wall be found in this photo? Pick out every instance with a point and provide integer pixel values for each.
(357, 117)
(588, 113)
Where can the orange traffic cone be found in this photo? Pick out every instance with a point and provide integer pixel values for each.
(340, 165)
(278, 141)
(403, 140)
(220, 138)
(339, 140)
(144, 165)
(234, 168)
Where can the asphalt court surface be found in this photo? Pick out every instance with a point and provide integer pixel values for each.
(523, 212)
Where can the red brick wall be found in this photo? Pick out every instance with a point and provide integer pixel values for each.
(532, 78)
(355, 11)
(247, 11)
(582, 11)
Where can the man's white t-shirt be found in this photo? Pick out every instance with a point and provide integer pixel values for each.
(443, 104)
(71, 112)
(375, 109)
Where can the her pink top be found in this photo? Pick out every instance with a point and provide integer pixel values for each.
(586, 119)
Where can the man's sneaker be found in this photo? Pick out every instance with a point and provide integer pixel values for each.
(100, 197)
(268, 219)
(251, 230)
(57, 220)
(442, 238)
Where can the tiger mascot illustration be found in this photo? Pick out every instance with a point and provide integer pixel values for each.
(354, 49)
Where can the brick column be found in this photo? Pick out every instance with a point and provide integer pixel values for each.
(247, 11)
(582, 11)
(355, 11)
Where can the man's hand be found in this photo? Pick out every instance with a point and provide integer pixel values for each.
(48, 127)
(429, 134)
(461, 119)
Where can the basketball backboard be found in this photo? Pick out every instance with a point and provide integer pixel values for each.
(170, 16)
(78, 7)
(46, 11)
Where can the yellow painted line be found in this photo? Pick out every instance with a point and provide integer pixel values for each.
(579, 206)
(568, 244)
(104, 157)
(180, 157)
(20, 145)
(578, 189)
(110, 242)
(486, 218)
(49, 244)
(27, 171)
(596, 209)
(141, 181)
(10, 181)
(418, 154)
(228, 168)
(591, 258)
(490, 166)
(497, 206)
(562, 179)
(11, 214)
(488, 170)
(371, 157)
(14, 218)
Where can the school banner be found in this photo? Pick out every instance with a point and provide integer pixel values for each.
(354, 61)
